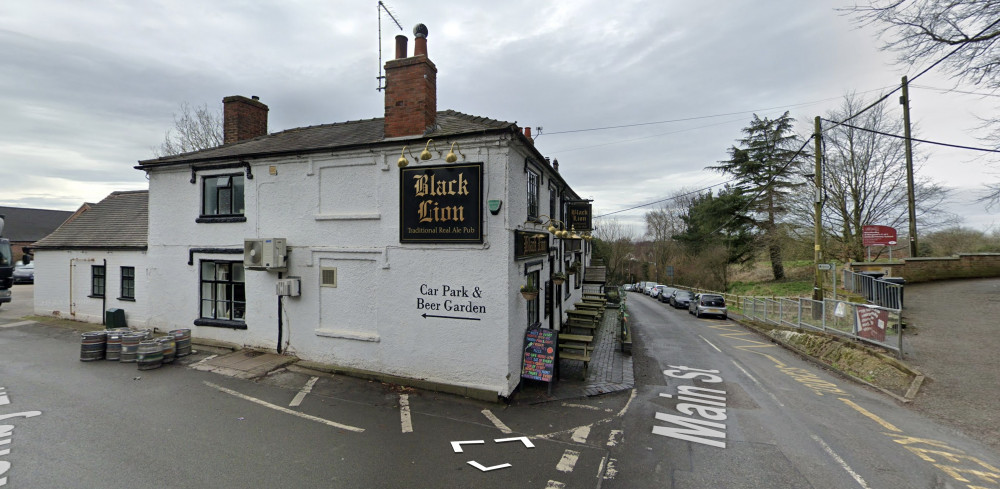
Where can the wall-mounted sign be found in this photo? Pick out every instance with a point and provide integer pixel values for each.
(530, 243)
(872, 323)
(441, 204)
(878, 235)
(579, 216)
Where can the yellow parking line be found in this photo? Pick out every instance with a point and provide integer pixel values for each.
(885, 424)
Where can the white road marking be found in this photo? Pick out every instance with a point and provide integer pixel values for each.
(284, 409)
(522, 439)
(614, 436)
(826, 448)
(19, 323)
(297, 400)
(457, 445)
(584, 406)
(487, 469)
(496, 421)
(568, 461)
(710, 344)
(580, 434)
(627, 404)
(555, 485)
(404, 413)
(203, 360)
(612, 471)
(759, 385)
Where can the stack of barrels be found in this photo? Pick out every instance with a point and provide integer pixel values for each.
(135, 346)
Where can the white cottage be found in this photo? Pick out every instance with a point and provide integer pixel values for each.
(95, 261)
(399, 244)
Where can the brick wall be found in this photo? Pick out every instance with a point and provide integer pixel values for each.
(243, 118)
(914, 270)
(410, 96)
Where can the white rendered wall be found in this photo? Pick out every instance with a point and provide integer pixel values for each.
(63, 285)
(342, 211)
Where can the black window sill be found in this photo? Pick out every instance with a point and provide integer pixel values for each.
(129, 299)
(92, 296)
(210, 219)
(220, 323)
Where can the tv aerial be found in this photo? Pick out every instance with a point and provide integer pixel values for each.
(381, 7)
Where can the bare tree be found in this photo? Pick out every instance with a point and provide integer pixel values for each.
(864, 177)
(963, 35)
(615, 243)
(195, 128)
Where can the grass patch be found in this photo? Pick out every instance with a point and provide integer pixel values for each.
(786, 288)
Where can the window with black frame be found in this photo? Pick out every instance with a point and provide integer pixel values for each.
(533, 277)
(222, 196)
(97, 280)
(128, 283)
(223, 290)
(533, 180)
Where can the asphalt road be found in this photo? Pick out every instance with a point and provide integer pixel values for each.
(756, 416)
(771, 419)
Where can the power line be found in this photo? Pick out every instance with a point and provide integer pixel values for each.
(673, 197)
(936, 143)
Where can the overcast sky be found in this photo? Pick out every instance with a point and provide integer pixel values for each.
(89, 88)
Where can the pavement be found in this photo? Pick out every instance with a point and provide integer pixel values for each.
(609, 371)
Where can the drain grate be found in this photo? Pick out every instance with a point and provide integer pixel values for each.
(252, 354)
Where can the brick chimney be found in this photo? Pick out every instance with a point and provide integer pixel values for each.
(243, 118)
(410, 89)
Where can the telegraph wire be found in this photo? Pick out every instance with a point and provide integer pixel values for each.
(897, 136)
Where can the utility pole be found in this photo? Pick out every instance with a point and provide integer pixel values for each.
(818, 209)
(911, 200)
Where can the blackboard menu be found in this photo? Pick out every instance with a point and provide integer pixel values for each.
(539, 354)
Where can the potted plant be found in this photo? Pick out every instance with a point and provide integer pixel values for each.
(558, 278)
(575, 267)
(529, 291)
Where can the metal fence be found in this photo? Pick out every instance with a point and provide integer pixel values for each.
(885, 292)
(872, 324)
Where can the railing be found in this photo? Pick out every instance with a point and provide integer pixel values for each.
(876, 290)
(863, 322)
(873, 324)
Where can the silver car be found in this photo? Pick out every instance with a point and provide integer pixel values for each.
(708, 304)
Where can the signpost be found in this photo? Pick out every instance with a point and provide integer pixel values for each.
(878, 236)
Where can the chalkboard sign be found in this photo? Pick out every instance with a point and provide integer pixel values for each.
(539, 354)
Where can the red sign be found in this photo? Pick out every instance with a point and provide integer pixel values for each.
(878, 235)
(872, 322)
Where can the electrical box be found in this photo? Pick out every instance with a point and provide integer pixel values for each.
(265, 254)
(288, 286)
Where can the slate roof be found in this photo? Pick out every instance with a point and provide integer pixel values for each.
(120, 221)
(27, 225)
(332, 136)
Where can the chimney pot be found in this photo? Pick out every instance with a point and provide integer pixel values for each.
(527, 133)
(555, 165)
(401, 46)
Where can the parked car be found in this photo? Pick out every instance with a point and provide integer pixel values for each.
(627, 287)
(655, 291)
(681, 299)
(708, 304)
(24, 274)
(649, 287)
(664, 295)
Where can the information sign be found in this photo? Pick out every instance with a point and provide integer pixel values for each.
(878, 235)
(539, 354)
(872, 322)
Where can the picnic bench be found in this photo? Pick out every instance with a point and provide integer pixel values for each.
(576, 347)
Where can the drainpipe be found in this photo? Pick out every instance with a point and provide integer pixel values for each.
(104, 296)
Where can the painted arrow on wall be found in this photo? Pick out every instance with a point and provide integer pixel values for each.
(425, 315)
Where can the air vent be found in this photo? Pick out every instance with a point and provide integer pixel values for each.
(328, 277)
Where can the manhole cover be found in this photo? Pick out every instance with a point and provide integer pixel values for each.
(251, 354)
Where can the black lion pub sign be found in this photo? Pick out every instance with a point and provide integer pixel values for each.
(441, 204)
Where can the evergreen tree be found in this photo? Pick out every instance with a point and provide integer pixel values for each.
(763, 164)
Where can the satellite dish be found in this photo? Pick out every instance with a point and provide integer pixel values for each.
(420, 30)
